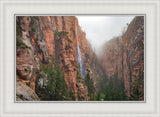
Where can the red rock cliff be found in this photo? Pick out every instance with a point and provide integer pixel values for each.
(125, 54)
(50, 36)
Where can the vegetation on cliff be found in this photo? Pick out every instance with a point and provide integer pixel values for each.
(90, 86)
(138, 89)
(20, 44)
(53, 87)
(50, 69)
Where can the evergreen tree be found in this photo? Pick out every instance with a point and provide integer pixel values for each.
(112, 89)
(51, 84)
(55, 88)
(90, 86)
(60, 85)
(138, 93)
(48, 91)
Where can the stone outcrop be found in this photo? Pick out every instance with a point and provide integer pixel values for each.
(25, 93)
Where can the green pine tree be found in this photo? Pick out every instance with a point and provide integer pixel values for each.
(112, 89)
(61, 88)
(90, 86)
(55, 88)
(138, 93)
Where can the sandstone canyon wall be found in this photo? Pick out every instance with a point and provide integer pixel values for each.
(47, 37)
(40, 40)
(125, 55)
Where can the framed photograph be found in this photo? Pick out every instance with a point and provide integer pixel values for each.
(80, 58)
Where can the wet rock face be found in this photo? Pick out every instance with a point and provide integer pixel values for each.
(125, 54)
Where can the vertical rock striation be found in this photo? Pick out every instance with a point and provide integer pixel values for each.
(49, 37)
(40, 38)
(125, 54)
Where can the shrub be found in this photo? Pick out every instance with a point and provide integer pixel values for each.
(68, 39)
(20, 44)
(61, 32)
(67, 47)
(18, 30)
(33, 18)
(33, 29)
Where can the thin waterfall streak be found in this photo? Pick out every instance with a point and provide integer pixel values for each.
(79, 55)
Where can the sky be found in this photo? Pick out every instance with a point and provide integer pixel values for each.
(100, 29)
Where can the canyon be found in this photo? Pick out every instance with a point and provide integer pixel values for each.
(125, 55)
(43, 41)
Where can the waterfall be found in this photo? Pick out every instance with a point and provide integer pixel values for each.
(80, 62)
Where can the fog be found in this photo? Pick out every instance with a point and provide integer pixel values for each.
(100, 29)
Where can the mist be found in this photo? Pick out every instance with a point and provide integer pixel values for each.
(100, 29)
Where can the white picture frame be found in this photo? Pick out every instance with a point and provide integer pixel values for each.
(151, 106)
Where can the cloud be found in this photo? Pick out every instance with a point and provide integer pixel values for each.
(100, 29)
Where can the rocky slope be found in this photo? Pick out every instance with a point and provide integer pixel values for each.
(25, 93)
(40, 38)
(125, 55)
